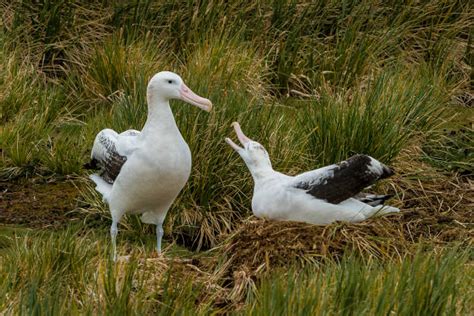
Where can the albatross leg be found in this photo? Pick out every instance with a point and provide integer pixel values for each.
(159, 236)
(113, 234)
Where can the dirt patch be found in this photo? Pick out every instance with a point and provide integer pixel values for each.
(37, 203)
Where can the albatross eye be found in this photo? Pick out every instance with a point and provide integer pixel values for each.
(170, 81)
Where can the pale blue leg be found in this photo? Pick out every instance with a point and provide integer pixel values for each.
(113, 234)
(159, 236)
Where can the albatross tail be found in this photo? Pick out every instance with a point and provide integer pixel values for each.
(373, 199)
(102, 186)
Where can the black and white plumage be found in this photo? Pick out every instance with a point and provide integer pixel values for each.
(373, 199)
(105, 156)
(319, 196)
(344, 180)
(142, 172)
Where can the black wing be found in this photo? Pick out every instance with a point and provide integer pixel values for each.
(344, 180)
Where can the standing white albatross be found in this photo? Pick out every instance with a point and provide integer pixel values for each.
(143, 172)
(320, 196)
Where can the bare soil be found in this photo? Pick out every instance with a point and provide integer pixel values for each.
(37, 203)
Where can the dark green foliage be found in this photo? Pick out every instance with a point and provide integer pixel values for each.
(378, 121)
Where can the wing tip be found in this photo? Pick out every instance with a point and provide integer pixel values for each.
(378, 167)
(387, 172)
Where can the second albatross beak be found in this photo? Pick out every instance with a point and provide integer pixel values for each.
(240, 135)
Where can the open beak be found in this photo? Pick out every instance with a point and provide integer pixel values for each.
(190, 97)
(240, 135)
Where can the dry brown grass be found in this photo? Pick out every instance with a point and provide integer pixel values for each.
(419, 186)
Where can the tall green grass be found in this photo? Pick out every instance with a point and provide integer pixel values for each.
(313, 81)
(69, 272)
(424, 285)
(378, 120)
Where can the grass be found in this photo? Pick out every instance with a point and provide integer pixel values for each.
(450, 148)
(421, 285)
(55, 272)
(313, 81)
(379, 121)
(62, 271)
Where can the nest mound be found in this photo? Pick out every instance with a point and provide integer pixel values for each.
(260, 244)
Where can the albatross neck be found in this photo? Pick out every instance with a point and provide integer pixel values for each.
(160, 118)
(261, 172)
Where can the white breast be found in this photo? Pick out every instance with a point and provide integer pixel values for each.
(152, 177)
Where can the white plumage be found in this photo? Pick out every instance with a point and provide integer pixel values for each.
(320, 196)
(143, 172)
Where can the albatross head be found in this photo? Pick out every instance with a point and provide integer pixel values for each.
(168, 85)
(253, 153)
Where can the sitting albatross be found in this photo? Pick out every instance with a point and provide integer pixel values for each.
(320, 196)
(143, 172)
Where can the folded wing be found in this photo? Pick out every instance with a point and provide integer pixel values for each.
(110, 152)
(338, 182)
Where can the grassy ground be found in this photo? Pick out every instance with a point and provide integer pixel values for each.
(314, 82)
(51, 272)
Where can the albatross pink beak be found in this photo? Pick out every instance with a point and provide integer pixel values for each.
(240, 135)
(190, 97)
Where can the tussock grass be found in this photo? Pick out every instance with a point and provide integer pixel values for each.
(451, 148)
(116, 68)
(378, 120)
(55, 273)
(362, 77)
(314, 82)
